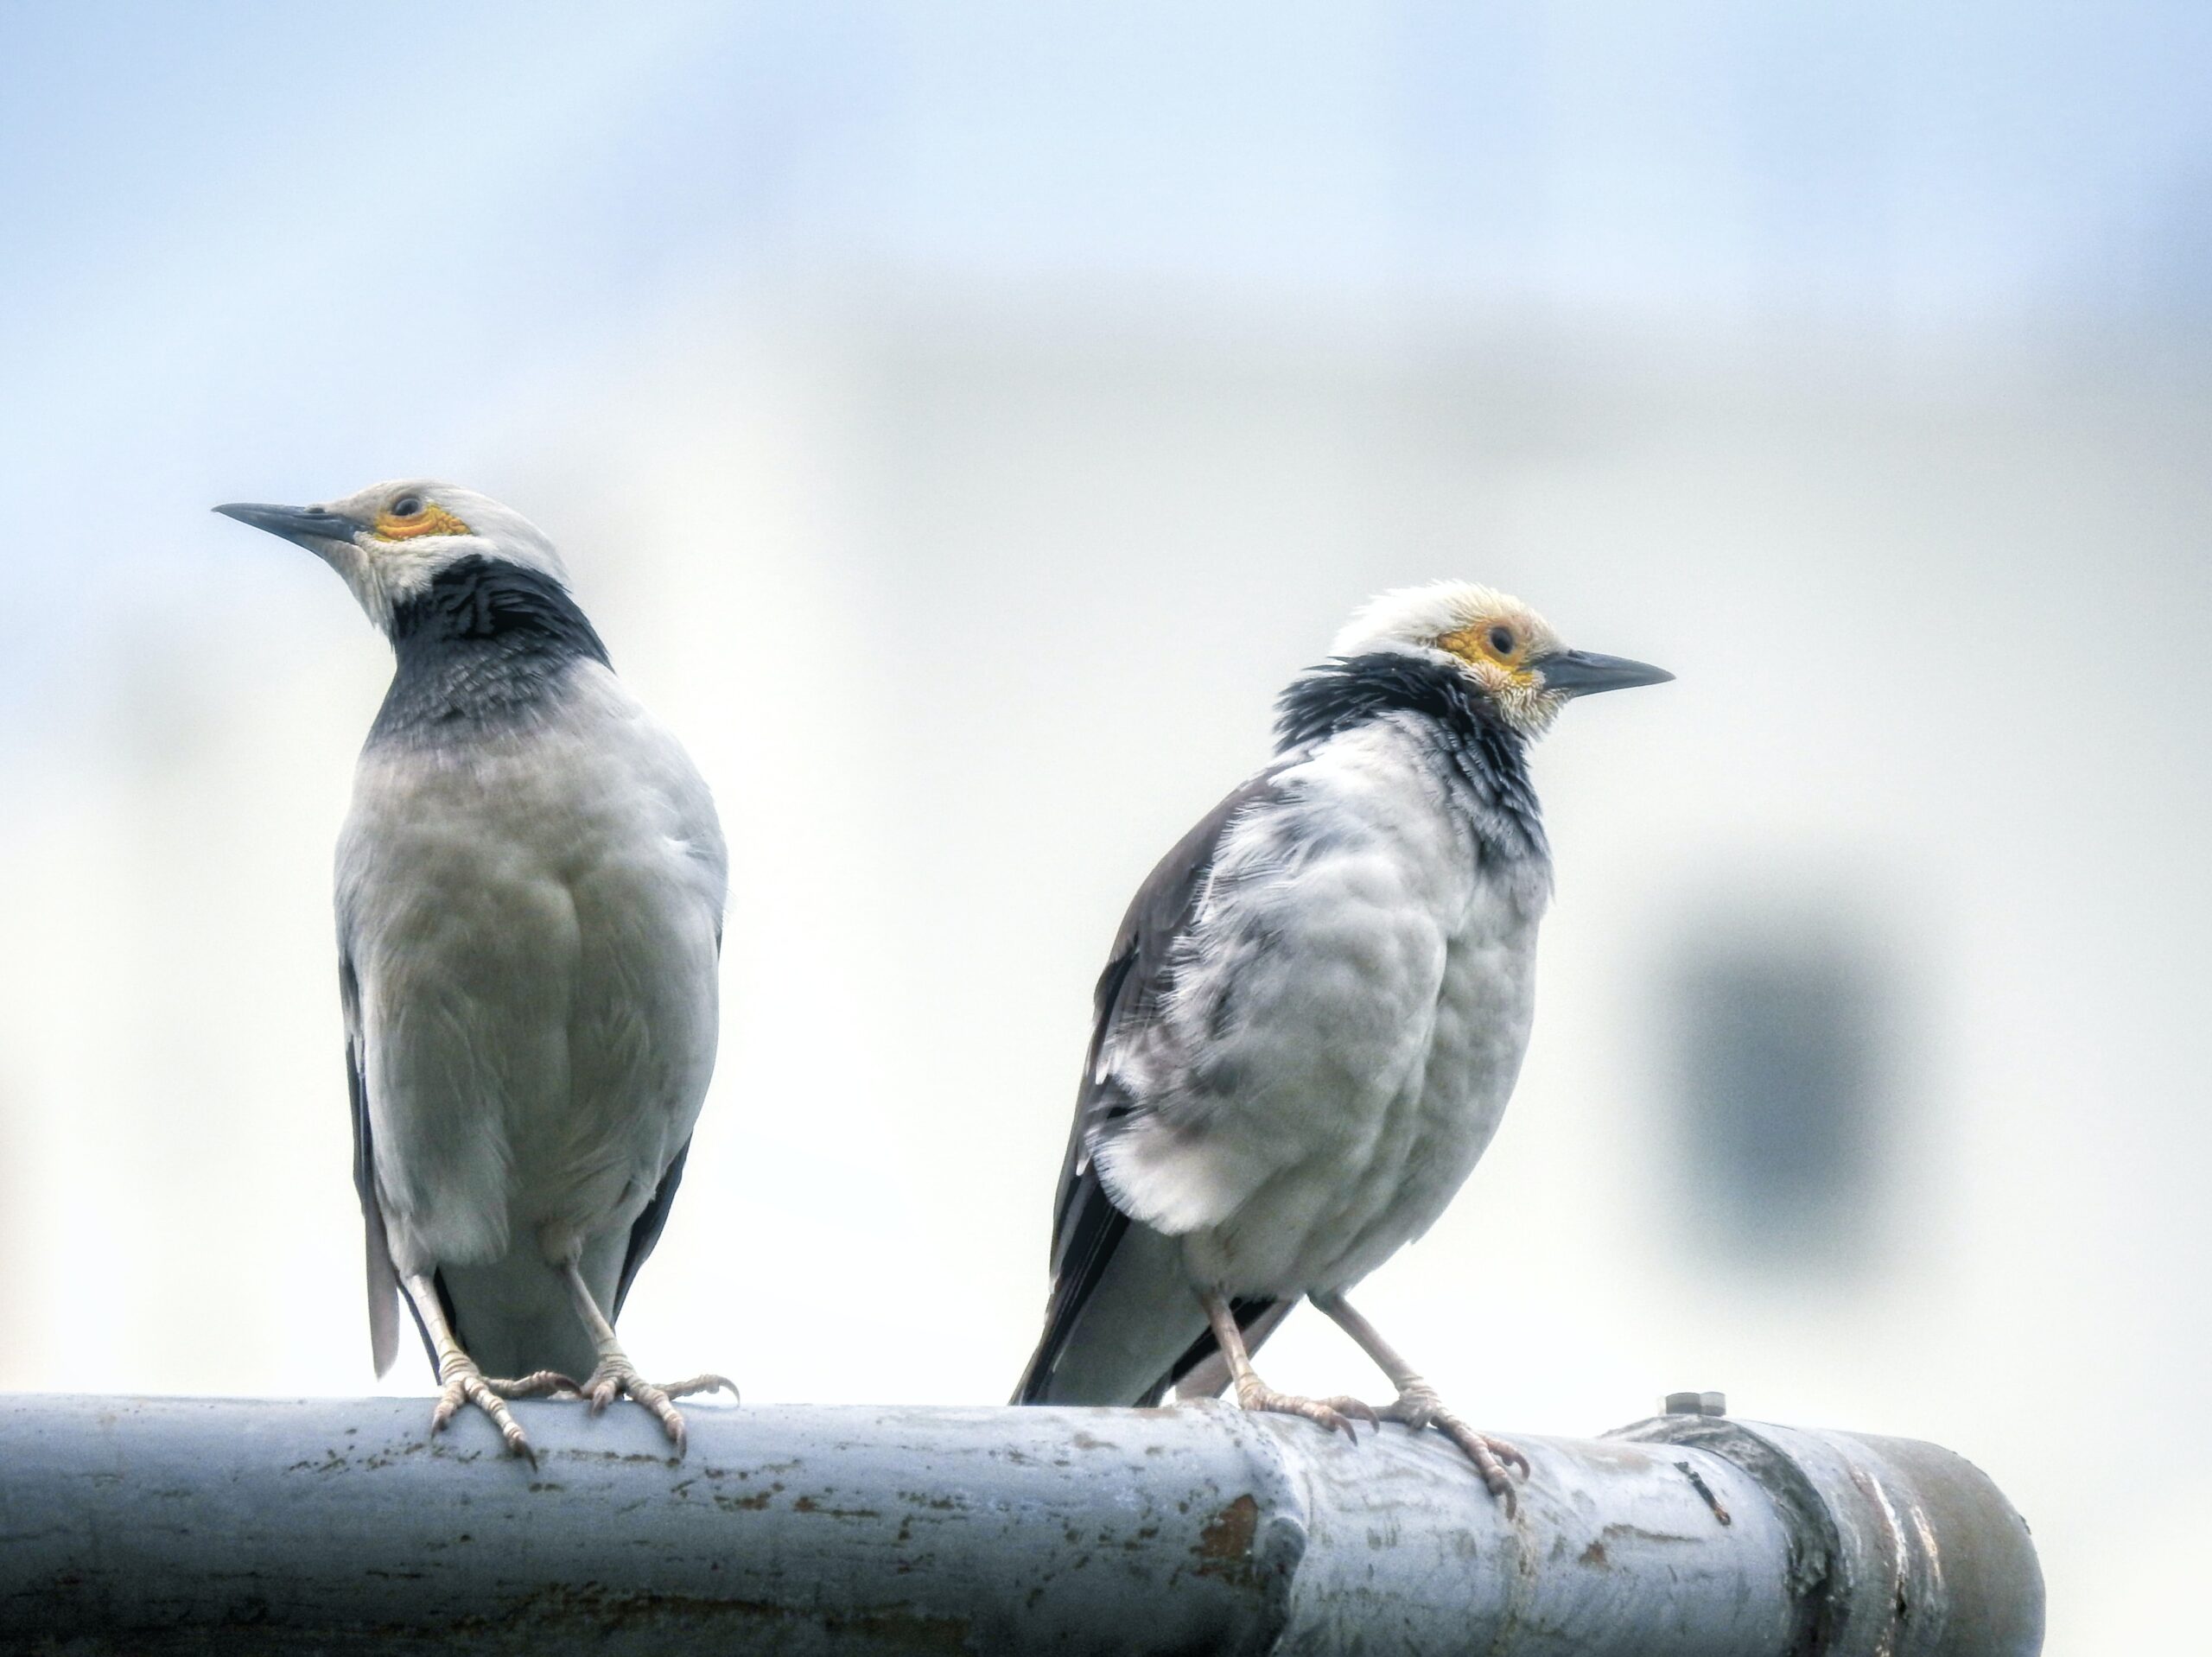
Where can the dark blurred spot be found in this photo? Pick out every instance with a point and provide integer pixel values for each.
(1784, 1035)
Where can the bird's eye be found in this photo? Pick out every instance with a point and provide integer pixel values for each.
(1501, 640)
(407, 506)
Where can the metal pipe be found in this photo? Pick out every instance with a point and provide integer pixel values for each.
(170, 1525)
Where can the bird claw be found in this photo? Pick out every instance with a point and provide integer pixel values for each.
(618, 1378)
(1419, 1407)
(702, 1384)
(1333, 1413)
(1351, 1407)
(466, 1384)
(543, 1383)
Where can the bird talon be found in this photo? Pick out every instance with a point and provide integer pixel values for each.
(1419, 1407)
(617, 1378)
(466, 1384)
(699, 1385)
(1491, 1456)
(1349, 1410)
(1263, 1399)
(543, 1383)
(671, 1419)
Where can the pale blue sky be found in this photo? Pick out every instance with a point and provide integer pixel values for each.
(261, 249)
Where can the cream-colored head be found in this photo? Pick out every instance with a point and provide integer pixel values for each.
(392, 539)
(1507, 650)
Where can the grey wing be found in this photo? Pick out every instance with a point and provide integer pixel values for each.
(383, 1279)
(1122, 1325)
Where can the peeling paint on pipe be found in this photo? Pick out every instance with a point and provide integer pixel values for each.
(172, 1525)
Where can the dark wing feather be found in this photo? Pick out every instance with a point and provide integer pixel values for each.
(1087, 1227)
(644, 1231)
(383, 1279)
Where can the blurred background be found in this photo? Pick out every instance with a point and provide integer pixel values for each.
(961, 421)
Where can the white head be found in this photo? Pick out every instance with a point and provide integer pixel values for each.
(1509, 652)
(390, 540)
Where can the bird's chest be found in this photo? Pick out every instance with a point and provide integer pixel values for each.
(1424, 1135)
(535, 946)
(1486, 1004)
(496, 850)
(1381, 1156)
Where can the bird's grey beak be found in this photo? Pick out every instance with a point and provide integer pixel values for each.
(1584, 673)
(310, 526)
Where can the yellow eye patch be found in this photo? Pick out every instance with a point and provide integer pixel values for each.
(429, 520)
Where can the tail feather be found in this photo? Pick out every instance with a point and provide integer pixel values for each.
(384, 1294)
(1118, 1343)
(1138, 1331)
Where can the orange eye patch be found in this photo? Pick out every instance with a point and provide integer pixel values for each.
(1475, 644)
(431, 520)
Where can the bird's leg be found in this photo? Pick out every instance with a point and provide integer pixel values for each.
(460, 1382)
(1418, 1406)
(616, 1377)
(1253, 1394)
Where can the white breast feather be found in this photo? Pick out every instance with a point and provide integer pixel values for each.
(533, 925)
(1359, 987)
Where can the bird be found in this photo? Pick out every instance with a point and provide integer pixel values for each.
(530, 892)
(1312, 1019)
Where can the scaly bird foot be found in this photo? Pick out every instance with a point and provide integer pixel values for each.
(1334, 1414)
(466, 1384)
(617, 1377)
(1419, 1407)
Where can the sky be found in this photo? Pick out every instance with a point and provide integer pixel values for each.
(962, 419)
(242, 224)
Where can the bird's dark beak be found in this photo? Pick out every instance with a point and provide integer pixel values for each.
(310, 526)
(1584, 673)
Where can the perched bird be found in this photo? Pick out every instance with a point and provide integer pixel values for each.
(530, 894)
(1313, 1015)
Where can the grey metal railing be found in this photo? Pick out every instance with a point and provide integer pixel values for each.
(201, 1525)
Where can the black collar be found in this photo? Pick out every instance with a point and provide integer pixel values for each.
(485, 638)
(1484, 760)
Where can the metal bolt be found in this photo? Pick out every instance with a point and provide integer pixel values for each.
(1696, 1404)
